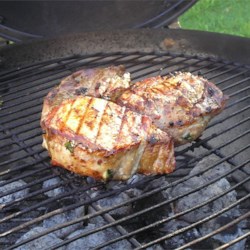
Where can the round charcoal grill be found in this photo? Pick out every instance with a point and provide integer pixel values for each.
(144, 212)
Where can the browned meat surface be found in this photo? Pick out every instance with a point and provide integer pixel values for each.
(107, 83)
(96, 137)
(97, 124)
(181, 104)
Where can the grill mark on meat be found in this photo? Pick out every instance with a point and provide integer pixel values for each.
(130, 133)
(157, 160)
(148, 103)
(157, 90)
(100, 123)
(135, 93)
(96, 111)
(83, 116)
(111, 119)
(170, 160)
(67, 115)
(121, 126)
(45, 123)
(59, 117)
(77, 109)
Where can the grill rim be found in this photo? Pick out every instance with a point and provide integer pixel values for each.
(227, 47)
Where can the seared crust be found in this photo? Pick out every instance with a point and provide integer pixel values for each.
(158, 156)
(108, 83)
(180, 104)
(96, 137)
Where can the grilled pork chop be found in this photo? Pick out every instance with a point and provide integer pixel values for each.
(181, 104)
(107, 83)
(98, 138)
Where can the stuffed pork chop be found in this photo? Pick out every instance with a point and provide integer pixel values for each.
(107, 83)
(98, 138)
(180, 104)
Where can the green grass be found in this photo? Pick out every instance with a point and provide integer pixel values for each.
(223, 16)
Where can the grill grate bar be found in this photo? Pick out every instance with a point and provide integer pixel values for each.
(239, 91)
(21, 123)
(198, 70)
(36, 152)
(119, 228)
(115, 223)
(24, 187)
(235, 84)
(209, 152)
(212, 124)
(220, 66)
(5, 207)
(208, 126)
(198, 223)
(35, 91)
(202, 142)
(219, 230)
(18, 123)
(157, 70)
(27, 101)
(89, 201)
(195, 63)
(224, 72)
(178, 153)
(230, 161)
(35, 110)
(87, 64)
(245, 236)
(23, 166)
(140, 213)
(232, 76)
(58, 66)
(30, 195)
(45, 202)
(25, 156)
(237, 102)
(157, 223)
(22, 176)
(74, 65)
(16, 71)
(32, 127)
(65, 209)
(31, 144)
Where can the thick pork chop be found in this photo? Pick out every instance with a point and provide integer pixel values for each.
(107, 83)
(181, 104)
(96, 137)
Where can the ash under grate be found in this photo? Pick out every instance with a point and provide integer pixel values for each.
(66, 210)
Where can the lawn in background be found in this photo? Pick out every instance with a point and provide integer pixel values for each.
(223, 16)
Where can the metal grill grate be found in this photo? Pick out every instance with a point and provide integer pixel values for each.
(22, 158)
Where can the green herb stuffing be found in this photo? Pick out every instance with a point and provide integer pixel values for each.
(69, 145)
(108, 174)
(187, 136)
